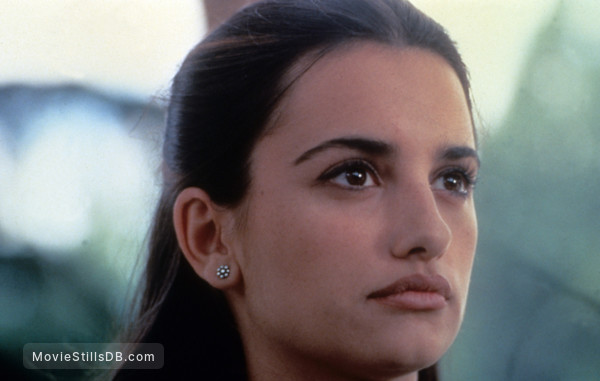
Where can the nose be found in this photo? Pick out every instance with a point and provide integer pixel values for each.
(419, 228)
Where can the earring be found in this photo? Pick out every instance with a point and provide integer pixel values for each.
(223, 271)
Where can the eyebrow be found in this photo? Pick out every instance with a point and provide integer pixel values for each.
(459, 152)
(369, 146)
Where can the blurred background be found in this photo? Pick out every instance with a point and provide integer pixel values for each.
(83, 85)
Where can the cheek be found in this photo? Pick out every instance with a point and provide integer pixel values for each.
(306, 252)
(461, 254)
(304, 244)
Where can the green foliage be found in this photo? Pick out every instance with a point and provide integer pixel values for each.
(535, 299)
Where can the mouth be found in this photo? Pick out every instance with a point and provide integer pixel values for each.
(417, 292)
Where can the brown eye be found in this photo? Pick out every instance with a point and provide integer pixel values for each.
(458, 182)
(353, 174)
(453, 183)
(356, 177)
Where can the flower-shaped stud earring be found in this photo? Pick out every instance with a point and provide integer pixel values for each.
(223, 271)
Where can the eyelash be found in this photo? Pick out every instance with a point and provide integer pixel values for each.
(467, 177)
(349, 166)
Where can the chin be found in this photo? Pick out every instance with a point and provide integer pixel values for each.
(394, 356)
(413, 349)
(416, 356)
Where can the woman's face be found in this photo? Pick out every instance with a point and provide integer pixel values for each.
(360, 224)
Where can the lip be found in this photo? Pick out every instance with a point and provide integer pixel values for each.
(418, 292)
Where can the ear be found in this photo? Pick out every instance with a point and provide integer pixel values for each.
(199, 229)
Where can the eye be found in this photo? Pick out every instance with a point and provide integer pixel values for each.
(457, 181)
(353, 174)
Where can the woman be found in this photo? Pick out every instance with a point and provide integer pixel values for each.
(317, 218)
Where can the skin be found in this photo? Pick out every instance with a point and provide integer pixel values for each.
(318, 240)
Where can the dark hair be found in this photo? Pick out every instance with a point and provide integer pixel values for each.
(221, 100)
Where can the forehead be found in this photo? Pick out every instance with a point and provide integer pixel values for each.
(380, 89)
